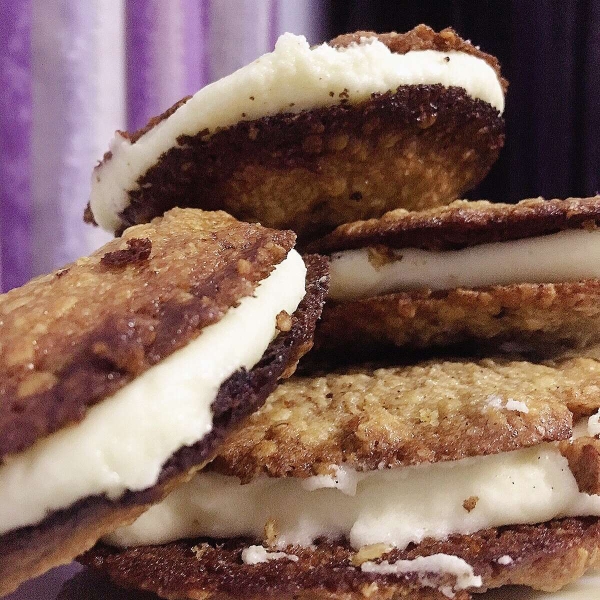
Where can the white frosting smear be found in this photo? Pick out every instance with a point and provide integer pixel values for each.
(254, 555)
(344, 479)
(593, 425)
(565, 256)
(393, 507)
(428, 566)
(123, 441)
(292, 78)
(496, 401)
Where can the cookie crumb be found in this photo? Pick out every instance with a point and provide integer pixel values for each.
(470, 503)
(284, 321)
(370, 552)
(138, 250)
(589, 225)
(379, 256)
(244, 267)
(200, 550)
(271, 532)
(368, 590)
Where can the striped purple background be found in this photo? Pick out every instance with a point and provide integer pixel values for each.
(15, 124)
(62, 62)
(72, 72)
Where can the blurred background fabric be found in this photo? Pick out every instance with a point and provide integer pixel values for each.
(72, 72)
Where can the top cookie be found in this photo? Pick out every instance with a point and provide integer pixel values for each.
(423, 37)
(402, 120)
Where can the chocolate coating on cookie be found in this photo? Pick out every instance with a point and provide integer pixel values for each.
(30, 551)
(70, 339)
(546, 556)
(463, 224)
(138, 250)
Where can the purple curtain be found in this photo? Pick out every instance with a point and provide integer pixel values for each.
(73, 72)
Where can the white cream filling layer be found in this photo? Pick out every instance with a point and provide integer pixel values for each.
(292, 78)
(565, 256)
(394, 507)
(123, 441)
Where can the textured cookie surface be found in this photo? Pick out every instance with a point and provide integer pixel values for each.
(462, 224)
(319, 168)
(367, 417)
(534, 318)
(63, 535)
(414, 147)
(546, 557)
(69, 339)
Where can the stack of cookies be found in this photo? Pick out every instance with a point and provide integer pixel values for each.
(440, 439)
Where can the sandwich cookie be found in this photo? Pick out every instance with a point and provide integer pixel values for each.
(522, 277)
(427, 481)
(308, 138)
(121, 374)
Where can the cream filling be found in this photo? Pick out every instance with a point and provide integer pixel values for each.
(123, 441)
(292, 78)
(393, 507)
(565, 256)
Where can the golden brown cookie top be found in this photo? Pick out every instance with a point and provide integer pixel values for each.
(463, 223)
(71, 338)
(439, 410)
(423, 37)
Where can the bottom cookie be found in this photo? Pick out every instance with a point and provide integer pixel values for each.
(545, 557)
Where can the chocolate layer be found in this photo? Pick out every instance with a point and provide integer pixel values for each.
(546, 557)
(416, 147)
(30, 551)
